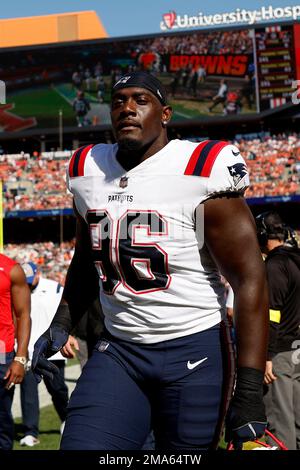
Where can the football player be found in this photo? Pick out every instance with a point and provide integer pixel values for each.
(159, 221)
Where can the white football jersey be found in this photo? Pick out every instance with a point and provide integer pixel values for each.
(44, 302)
(158, 281)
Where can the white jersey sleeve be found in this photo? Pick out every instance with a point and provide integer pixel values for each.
(229, 173)
(76, 166)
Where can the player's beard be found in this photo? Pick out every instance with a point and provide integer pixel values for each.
(128, 145)
(130, 152)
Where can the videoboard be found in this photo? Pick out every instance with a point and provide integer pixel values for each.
(207, 74)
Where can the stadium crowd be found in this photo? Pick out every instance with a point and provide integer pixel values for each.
(274, 165)
(38, 183)
(217, 42)
(51, 258)
(32, 183)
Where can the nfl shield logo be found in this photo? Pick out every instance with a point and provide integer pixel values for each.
(169, 19)
(123, 182)
(103, 346)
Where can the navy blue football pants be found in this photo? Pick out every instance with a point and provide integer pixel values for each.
(6, 399)
(179, 388)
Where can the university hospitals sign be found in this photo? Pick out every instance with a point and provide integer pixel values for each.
(172, 21)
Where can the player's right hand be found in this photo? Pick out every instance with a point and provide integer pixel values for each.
(46, 346)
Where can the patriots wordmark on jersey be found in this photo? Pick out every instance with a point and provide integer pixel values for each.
(157, 281)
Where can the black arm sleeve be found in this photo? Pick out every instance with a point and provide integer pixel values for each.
(81, 287)
(82, 281)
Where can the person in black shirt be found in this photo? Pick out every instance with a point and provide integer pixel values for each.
(282, 375)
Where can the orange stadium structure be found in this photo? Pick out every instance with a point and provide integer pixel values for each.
(75, 26)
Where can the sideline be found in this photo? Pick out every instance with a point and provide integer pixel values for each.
(71, 374)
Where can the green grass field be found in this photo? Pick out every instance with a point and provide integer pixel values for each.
(49, 426)
(49, 431)
(43, 104)
(193, 109)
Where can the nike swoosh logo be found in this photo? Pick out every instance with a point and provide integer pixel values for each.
(191, 365)
(235, 153)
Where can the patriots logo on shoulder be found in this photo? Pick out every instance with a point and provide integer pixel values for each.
(238, 171)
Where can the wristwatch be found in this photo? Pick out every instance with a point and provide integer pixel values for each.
(21, 359)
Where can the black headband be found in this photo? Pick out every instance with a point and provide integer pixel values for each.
(143, 80)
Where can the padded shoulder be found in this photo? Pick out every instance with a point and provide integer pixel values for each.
(203, 158)
(76, 165)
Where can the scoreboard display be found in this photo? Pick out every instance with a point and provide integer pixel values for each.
(258, 66)
(275, 65)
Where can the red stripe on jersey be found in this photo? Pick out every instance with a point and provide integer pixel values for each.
(82, 159)
(71, 166)
(194, 158)
(211, 158)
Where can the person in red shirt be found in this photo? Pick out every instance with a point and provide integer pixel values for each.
(14, 301)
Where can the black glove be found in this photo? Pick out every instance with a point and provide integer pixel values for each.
(246, 418)
(46, 346)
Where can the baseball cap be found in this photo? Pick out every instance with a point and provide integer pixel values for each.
(143, 80)
(30, 270)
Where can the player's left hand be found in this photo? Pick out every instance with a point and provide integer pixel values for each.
(246, 418)
(46, 346)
